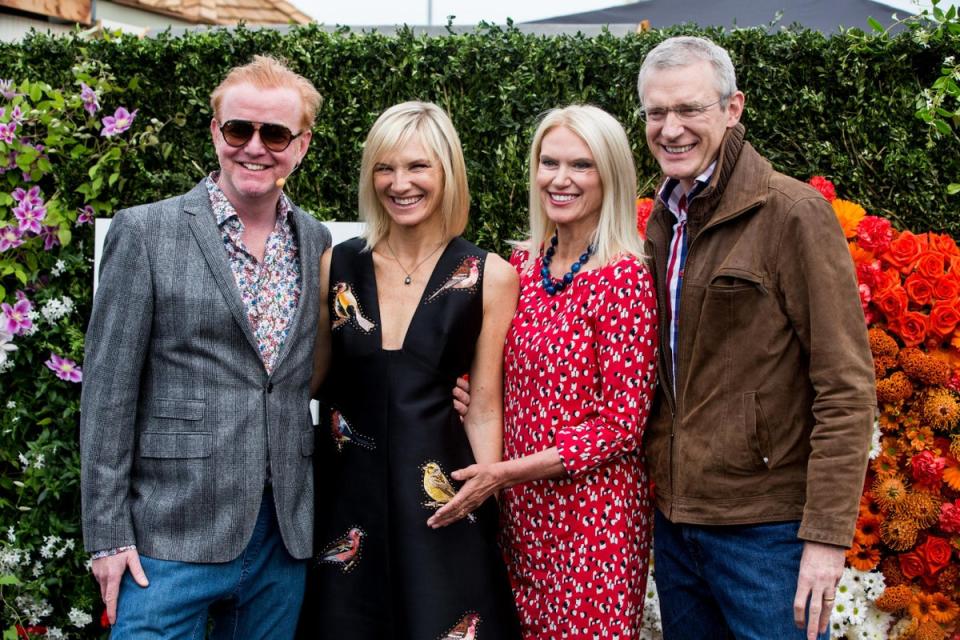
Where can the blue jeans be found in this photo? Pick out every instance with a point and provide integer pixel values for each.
(256, 595)
(722, 582)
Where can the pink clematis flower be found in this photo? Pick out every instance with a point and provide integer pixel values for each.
(89, 97)
(31, 198)
(16, 116)
(50, 238)
(8, 131)
(86, 215)
(65, 368)
(119, 122)
(10, 238)
(16, 319)
(30, 218)
(6, 89)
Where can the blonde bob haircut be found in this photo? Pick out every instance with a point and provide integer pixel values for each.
(616, 233)
(429, 125)
(266, 72)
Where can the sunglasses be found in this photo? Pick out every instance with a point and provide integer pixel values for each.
(275, 137)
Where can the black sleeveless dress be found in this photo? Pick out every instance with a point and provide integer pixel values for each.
(394, 437)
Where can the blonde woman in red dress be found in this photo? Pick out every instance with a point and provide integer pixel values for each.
(580, 370)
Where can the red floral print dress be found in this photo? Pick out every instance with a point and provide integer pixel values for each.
(580, 370)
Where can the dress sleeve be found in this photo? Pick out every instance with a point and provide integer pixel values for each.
(517, 257)
(625, 326)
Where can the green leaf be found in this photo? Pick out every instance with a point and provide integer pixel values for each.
(875, 25)
(6, 580)
(64, 235)
(953, 188)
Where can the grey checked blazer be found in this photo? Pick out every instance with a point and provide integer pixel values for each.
(178, 414)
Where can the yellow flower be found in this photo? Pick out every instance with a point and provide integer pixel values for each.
(940, 409)
(849, 214)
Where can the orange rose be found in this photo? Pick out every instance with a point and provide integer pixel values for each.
(935, 552)
(944, 318)
(912, 565)
(891, 301)
(919, 288)
(886, 279)
(904, 251)
(931, 264)
(911, 327)
(943, 243)
(946, 287)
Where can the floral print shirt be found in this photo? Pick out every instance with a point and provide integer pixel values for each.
(270, 289)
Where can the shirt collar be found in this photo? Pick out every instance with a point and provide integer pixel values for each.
(224, 210)
(670, 194)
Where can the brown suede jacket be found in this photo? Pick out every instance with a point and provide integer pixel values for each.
(775, 396)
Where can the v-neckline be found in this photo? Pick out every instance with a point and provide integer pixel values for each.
(420, 303)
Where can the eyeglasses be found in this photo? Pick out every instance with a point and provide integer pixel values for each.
(275, 137)
(683, 111)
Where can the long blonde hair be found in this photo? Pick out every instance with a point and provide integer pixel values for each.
(432, 127)
(616, 231)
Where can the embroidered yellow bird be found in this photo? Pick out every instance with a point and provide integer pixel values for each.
(345, 306)
(438, 488)
(466, 276)
(345, 551)
(466, 629)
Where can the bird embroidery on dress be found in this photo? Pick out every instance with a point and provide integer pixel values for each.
(466, 629)
(345, 551)
(438, 488)
(465, 277)
(344, 433)
(345, 306)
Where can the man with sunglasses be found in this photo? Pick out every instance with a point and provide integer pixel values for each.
(196, 437)
(757, 441)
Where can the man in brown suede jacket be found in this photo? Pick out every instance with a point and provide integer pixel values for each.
(758, 439)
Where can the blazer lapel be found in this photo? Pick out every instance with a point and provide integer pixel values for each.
(203, 224)
(309, 285)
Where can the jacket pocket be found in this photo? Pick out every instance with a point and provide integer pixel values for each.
(181, 445)
(730, 279)
(177, 408)
(756, 429)
(307, 442)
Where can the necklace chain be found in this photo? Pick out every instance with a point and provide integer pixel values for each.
(409, 274)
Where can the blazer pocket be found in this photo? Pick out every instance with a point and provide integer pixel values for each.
(730, 279)
(307, 442)
(178, 408)
(181, 445)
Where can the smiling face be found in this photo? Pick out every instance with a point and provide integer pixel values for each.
(249, 173)
(409, 184)
(568, 180)
(686, 147)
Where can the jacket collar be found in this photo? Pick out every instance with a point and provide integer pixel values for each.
(739, 183)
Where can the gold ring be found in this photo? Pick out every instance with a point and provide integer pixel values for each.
(829, 599)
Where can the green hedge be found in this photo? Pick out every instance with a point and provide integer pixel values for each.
(840, 106)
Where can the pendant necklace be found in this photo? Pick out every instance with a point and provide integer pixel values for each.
(409, 274)
(554, 286)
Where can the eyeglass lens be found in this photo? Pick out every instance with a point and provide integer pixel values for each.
(275, 137)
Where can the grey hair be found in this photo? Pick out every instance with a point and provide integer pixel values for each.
(683, 51)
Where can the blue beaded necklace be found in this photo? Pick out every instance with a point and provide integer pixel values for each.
(552, 286)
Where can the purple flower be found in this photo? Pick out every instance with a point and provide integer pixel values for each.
(16, 319)
(29, 218)
(119, 122)
(50, 237)
(89, 97)
(10, 238)
(16, 116)
(65, 368)
(86, 215)
(30, 199)
(6, 89)
(8, 131)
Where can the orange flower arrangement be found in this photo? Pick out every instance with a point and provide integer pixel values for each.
(908, 528)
